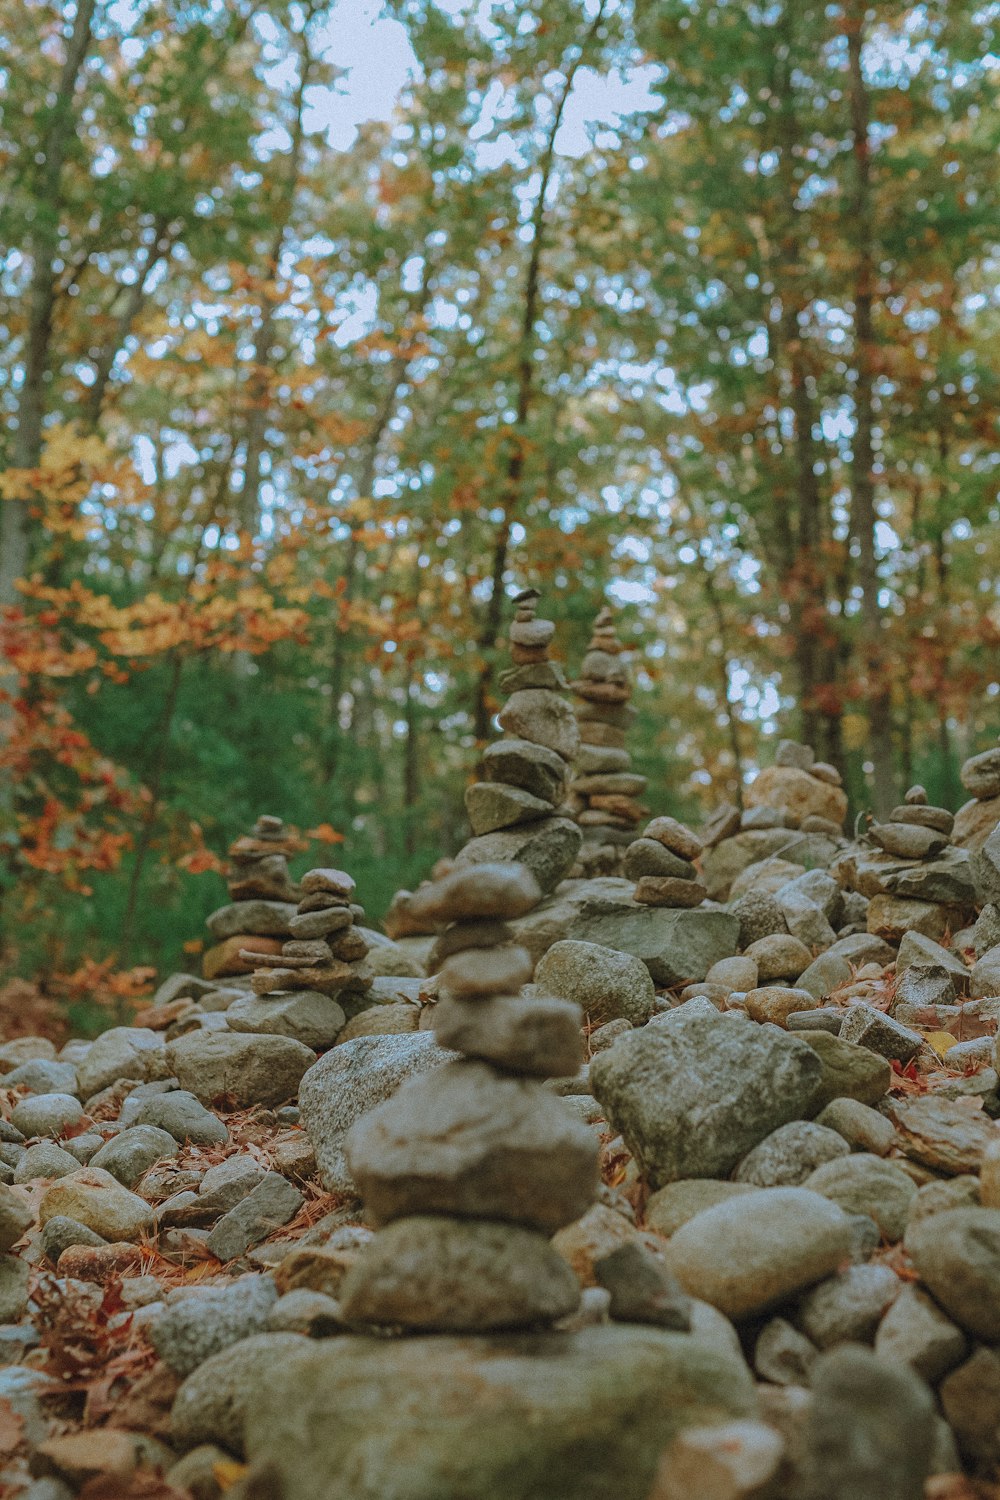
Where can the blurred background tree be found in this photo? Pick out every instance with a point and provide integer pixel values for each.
(327, 328)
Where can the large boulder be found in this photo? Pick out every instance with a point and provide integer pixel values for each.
(676, 944)
(241, 1068)
(566, 1416)
(726, 860)
(349, 1081)
(975, 822)
(692, 1098)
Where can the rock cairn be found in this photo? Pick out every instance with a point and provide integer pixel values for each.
(262, 901)
(808, 793)
(604, 792)
(661, 864)
(914, 877)
(976, 820)
(467, 1170)
(319, 966)
(513, 809)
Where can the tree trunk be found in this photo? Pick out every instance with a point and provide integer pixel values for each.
(513, 478)
(863, 511)
(41, 299)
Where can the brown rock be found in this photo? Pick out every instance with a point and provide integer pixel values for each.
(944, 1134)
(800, 793)
(226, 957)
(674, 836)
(975, 822)
(669, 890)
(592, 1237)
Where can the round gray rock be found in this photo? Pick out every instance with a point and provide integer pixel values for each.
(606, 984)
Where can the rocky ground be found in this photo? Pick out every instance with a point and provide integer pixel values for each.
(749, 1247)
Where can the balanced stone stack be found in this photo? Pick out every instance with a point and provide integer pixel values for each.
(809, 793)
(916, 879)
(976, 820)
(604, 793)
(661, 864)
(514, 808)
(262, 901)
(469, 1168)
(303, 989)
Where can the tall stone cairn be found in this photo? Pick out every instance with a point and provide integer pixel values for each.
(604, 793)
(514, 808)
(469, 1168)
(262, 898)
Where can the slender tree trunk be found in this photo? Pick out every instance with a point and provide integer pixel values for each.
(41, 301)
(863, 511)
(154, 784)
(411, 757)
(732, 722)
(513, 478)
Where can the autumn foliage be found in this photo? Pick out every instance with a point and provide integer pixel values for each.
(689, 306)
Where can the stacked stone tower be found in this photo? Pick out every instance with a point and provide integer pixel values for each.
(605, 790)
(661, 864)
(469, 1168)
(514, 807)
(306, 989)
(262, 901)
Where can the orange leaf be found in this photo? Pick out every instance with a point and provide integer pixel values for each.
(325, 833)
(11, 1427)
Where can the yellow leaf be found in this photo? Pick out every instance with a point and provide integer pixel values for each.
(227, 1471)
(940, 1041)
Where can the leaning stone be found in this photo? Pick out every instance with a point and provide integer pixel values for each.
(212, 1403)
(862, 1127)
(782, 1354)
(942, 1135)
(99, 1201)
(970, 1398)
(957, 1255)
(788, 1155)
(863, 1184)
(268, 1205)
(309, 1017)
(350, 1081)
(871, 1028)
(847, 1307)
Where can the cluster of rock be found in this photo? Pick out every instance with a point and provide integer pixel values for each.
(976, 820)
(913, 876)
(467, 1169)
(604, 793)
(262, 900)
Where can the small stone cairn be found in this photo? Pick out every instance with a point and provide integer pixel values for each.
(661, 864)
(916, 879)
(324, 951)
(976, 820)
(262, 901)
(468, 1169)
(604, 792)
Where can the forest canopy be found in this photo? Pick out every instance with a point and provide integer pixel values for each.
(328, 328)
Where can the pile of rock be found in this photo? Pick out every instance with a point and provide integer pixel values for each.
(976, 820)
(468, 1169)
(297, 991)
(262, 901)
(514, 808)
(915, 879)
(604, 792)
(794, 813)
(661, 862)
